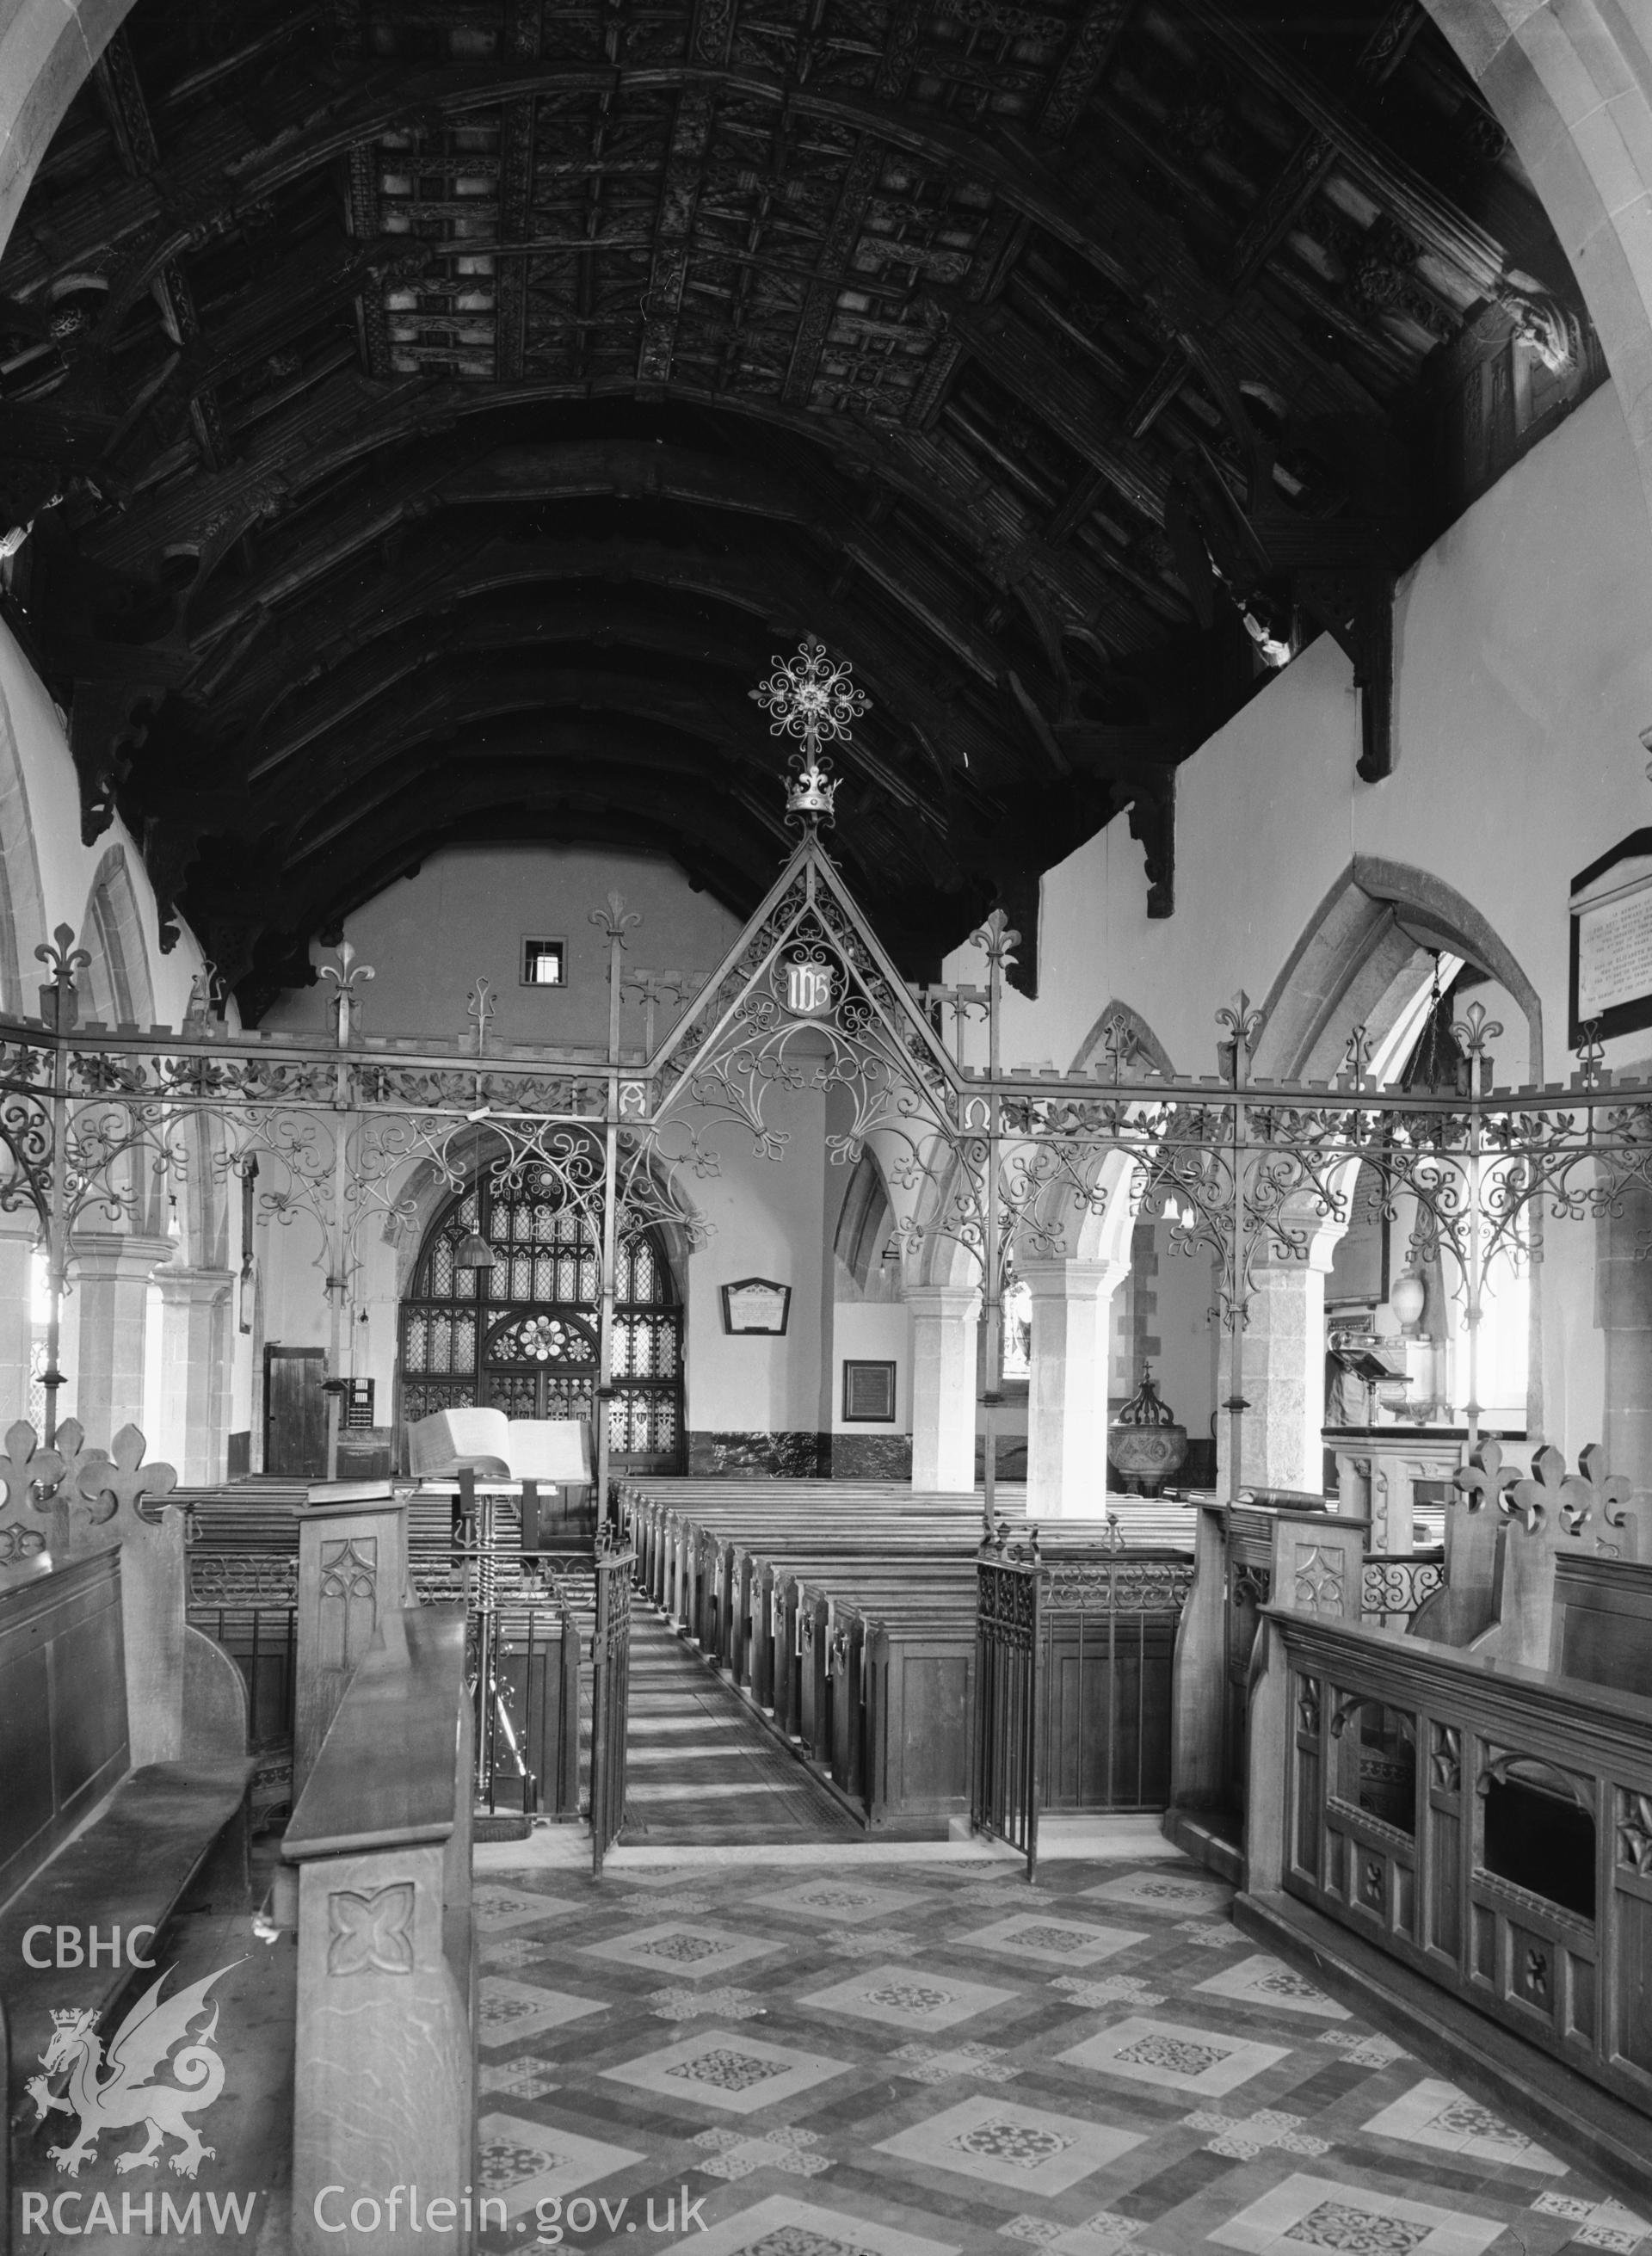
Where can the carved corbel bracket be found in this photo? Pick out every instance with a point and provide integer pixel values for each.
(1357, 607)
(1153, 826)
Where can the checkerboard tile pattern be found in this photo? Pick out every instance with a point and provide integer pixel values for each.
(829, 2061)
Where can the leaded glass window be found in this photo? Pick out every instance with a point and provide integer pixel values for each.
(523, 1336)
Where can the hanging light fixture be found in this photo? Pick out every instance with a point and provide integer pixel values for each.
(1436, 1061)
(473, 1251)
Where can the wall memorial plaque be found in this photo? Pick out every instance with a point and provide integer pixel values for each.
(1612, 941)
(756, 1304)
(869, 1394)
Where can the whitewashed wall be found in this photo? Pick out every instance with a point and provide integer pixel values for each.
(1524, 678)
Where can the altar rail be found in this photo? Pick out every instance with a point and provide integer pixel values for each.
(1489, 1825)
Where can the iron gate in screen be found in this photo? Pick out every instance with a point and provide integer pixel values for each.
(1072, 1683)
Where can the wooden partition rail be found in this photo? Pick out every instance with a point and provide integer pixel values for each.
(383, 2087)
(1488, 1824)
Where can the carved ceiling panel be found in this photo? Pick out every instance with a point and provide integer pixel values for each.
(428, 413)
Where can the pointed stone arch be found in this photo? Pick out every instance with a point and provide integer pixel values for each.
(1361, 960)
(116, 982)
(1570, 83)
(23, 924)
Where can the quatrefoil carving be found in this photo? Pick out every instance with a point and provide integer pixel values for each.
(370, 1933)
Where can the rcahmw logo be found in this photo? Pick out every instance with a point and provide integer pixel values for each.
(116, 2090)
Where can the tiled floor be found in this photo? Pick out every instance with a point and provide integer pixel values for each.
(700, 1767)
(929, 2059)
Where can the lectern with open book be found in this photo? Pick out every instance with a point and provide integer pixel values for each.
(461, 1452)
(477, 1457)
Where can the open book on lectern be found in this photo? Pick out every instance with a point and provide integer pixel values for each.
(554, 1451)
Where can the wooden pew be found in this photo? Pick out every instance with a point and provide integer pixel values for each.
(153, 1832)
(385, 2081)
(848, 1610)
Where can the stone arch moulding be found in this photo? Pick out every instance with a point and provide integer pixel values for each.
(1570, 83)
(23, 925)
(120, 990)
(1347, 968)
(46, 49)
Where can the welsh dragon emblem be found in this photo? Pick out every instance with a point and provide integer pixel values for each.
(126, 2096)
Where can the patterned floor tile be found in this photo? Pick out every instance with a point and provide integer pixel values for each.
(863, 1943)
(514, 1949)
(1006, 2143)
(926, 2064)
(525, 2079)
(1104, 2234)
(527, 2162)
(1307, 2212)
(507, 2011)
(1056, 1941)
(718, 2068)
(1437, 2114)
(498, 1908)
(1174, 1891)
(781, 2226)
(1242, 2138)
(1107, 1990)
(1232, 2090)
(732, 2154)
(906, 1998)
(846, 1901)
(1365, 2051)
(729, 2003)
(1263, 1980)
(681, 1947)
(1178, 2057)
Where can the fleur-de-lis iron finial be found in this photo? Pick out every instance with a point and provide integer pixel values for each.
(1242, 1023)
(1472, 1032)
(1591, 1054)
(616, 921)
(60, 1003)
(1356, 1055)
(345, 974)
(813, 700)
(1119, 1042)
(998, 937)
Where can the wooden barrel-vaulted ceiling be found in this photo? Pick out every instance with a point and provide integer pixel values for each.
(431, 415)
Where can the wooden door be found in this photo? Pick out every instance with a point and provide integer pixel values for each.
(295, 1412)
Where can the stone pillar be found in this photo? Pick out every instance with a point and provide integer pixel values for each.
(19, 1236)
(1067, 1393)
(1282, 1377)
(195, 1374)
(111, 1276)
(943, 1353)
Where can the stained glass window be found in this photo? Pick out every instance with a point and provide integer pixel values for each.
(523, 1336)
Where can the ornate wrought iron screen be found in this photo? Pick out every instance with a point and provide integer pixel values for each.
(99, 1127)
(1107, 1625)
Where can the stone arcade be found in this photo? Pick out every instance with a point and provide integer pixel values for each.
(884, 765)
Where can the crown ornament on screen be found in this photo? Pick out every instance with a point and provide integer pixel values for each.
(812, 699)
